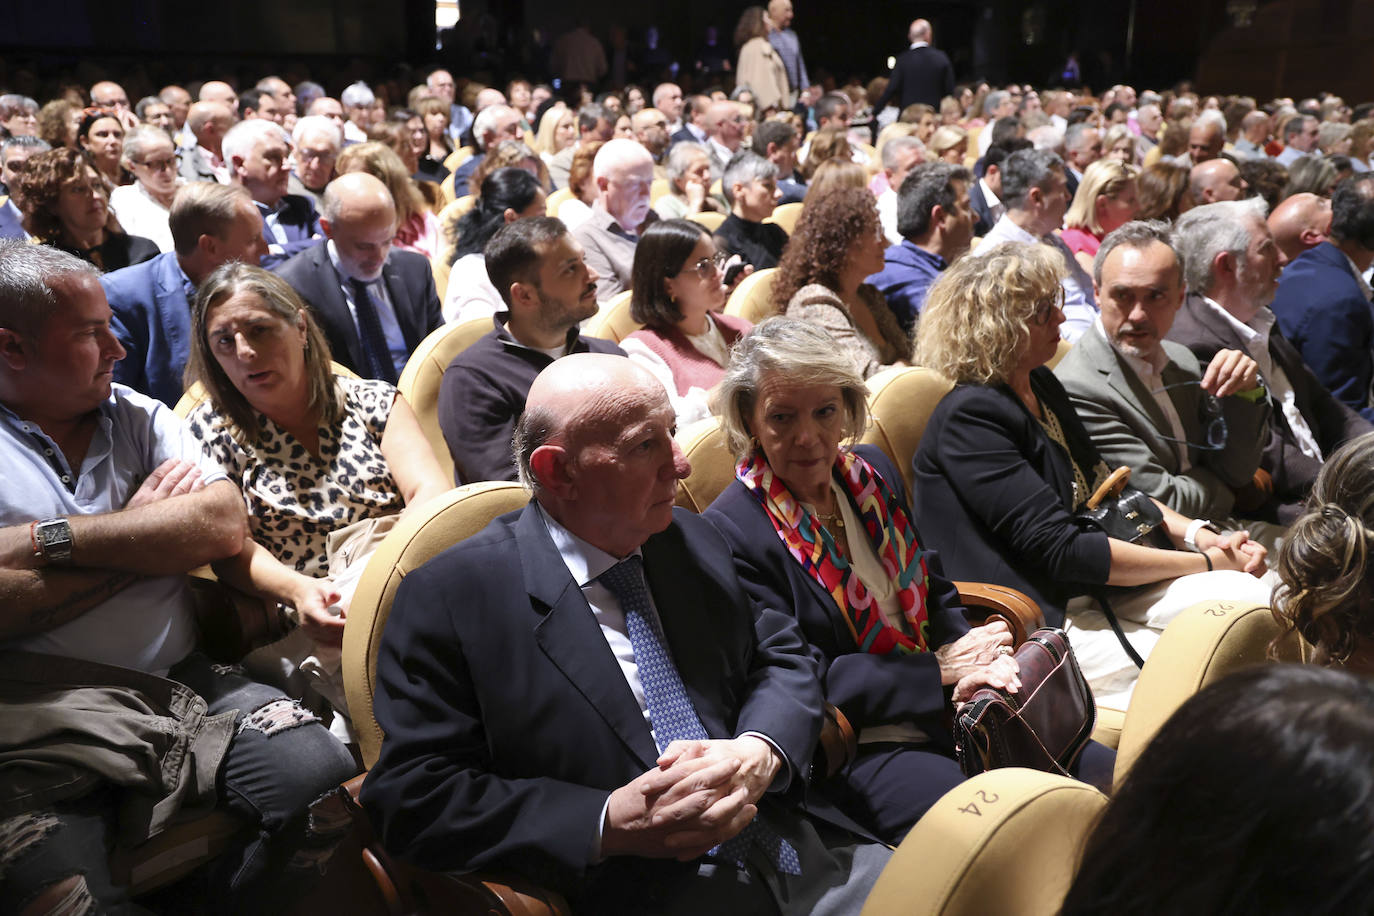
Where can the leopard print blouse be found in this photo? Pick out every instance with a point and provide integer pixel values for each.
(295, 499)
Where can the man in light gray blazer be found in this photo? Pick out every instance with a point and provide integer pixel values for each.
(1192, 437)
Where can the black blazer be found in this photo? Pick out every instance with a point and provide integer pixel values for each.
(920, 75)
(994, 494)
(980, 207)
(869, 689)
(409, 282)
(1204, 332)
(508, 720)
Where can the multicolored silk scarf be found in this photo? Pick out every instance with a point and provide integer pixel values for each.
(889, 530)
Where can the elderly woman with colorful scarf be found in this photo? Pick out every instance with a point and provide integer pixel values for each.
(824, 531)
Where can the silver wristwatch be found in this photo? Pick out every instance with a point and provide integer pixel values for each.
(53, 538)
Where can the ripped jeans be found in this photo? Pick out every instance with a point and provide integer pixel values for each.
(280, 761)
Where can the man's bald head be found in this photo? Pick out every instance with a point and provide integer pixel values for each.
(488, 97)
(359, 216)
(217, 91)
(1217, 180)
(919, 31)
(356, 195)
(580, 390)
(107, 94)
(650, 128)
(1300, 222)
(209, 121)
(595, 444)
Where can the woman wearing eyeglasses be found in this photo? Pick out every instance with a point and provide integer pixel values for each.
(144, 207)
(679, 289)
(1005, 463)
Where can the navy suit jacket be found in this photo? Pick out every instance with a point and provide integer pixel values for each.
(869, 689)
(920, 75)
(152, 319)
(980, 207)
(994, 494)
(508, 720)
(463, 175)
(1324, 314)
(11, 220)
(300, 222)
(1201, 330)
(409, 283)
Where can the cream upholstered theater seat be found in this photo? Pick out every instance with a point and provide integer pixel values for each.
(786, 216)
(900, 402)
(415, 540)
(1060, 352)
(708, 218)
(752, 299)
(1200, 647)
(191, 398)
(420, 535)
(458, 157)
(424, 372)
(612, 321)
(658, 188)
(556, 200)
(1004, 843)
(713, 467)
(442, 263)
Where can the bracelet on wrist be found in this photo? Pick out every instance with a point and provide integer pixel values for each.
(1206, 559)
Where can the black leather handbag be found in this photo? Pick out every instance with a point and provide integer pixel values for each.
(1124, 513)
(1045, 726)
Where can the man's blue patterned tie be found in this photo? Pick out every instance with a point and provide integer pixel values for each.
(670, 709)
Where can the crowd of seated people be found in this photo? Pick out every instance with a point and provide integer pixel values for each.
(1174, 284)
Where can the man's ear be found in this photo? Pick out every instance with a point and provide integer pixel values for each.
(1223, 261)
(523, 294)
(326, 228)
(13, 352)
(937, 215)
(551, 467)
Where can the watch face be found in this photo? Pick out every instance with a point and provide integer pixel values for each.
(54, 534)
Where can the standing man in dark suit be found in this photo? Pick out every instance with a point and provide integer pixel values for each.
(1323, 300)
(375, 304)
(605, 711)
(923, 73)
(1230, 262)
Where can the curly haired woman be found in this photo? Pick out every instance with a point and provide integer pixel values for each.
(820, 279)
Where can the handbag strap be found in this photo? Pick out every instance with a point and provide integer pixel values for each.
(1116, 628)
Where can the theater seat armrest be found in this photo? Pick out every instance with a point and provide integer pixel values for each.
(837, 746)
(985, 602)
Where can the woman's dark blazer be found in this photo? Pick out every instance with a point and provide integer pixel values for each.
(869, 689)
(993, 493)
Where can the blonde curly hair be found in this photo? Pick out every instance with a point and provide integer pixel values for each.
(975, 323)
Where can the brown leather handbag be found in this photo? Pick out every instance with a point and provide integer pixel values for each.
(1044, 727)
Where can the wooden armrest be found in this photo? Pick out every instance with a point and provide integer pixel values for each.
(233, 623)
(985, 602)
(837, 745)
(408, 890)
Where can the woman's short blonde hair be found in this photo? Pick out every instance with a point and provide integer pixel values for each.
(1104, 178)
(975, 323)
(800, 352)
(946, 138)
